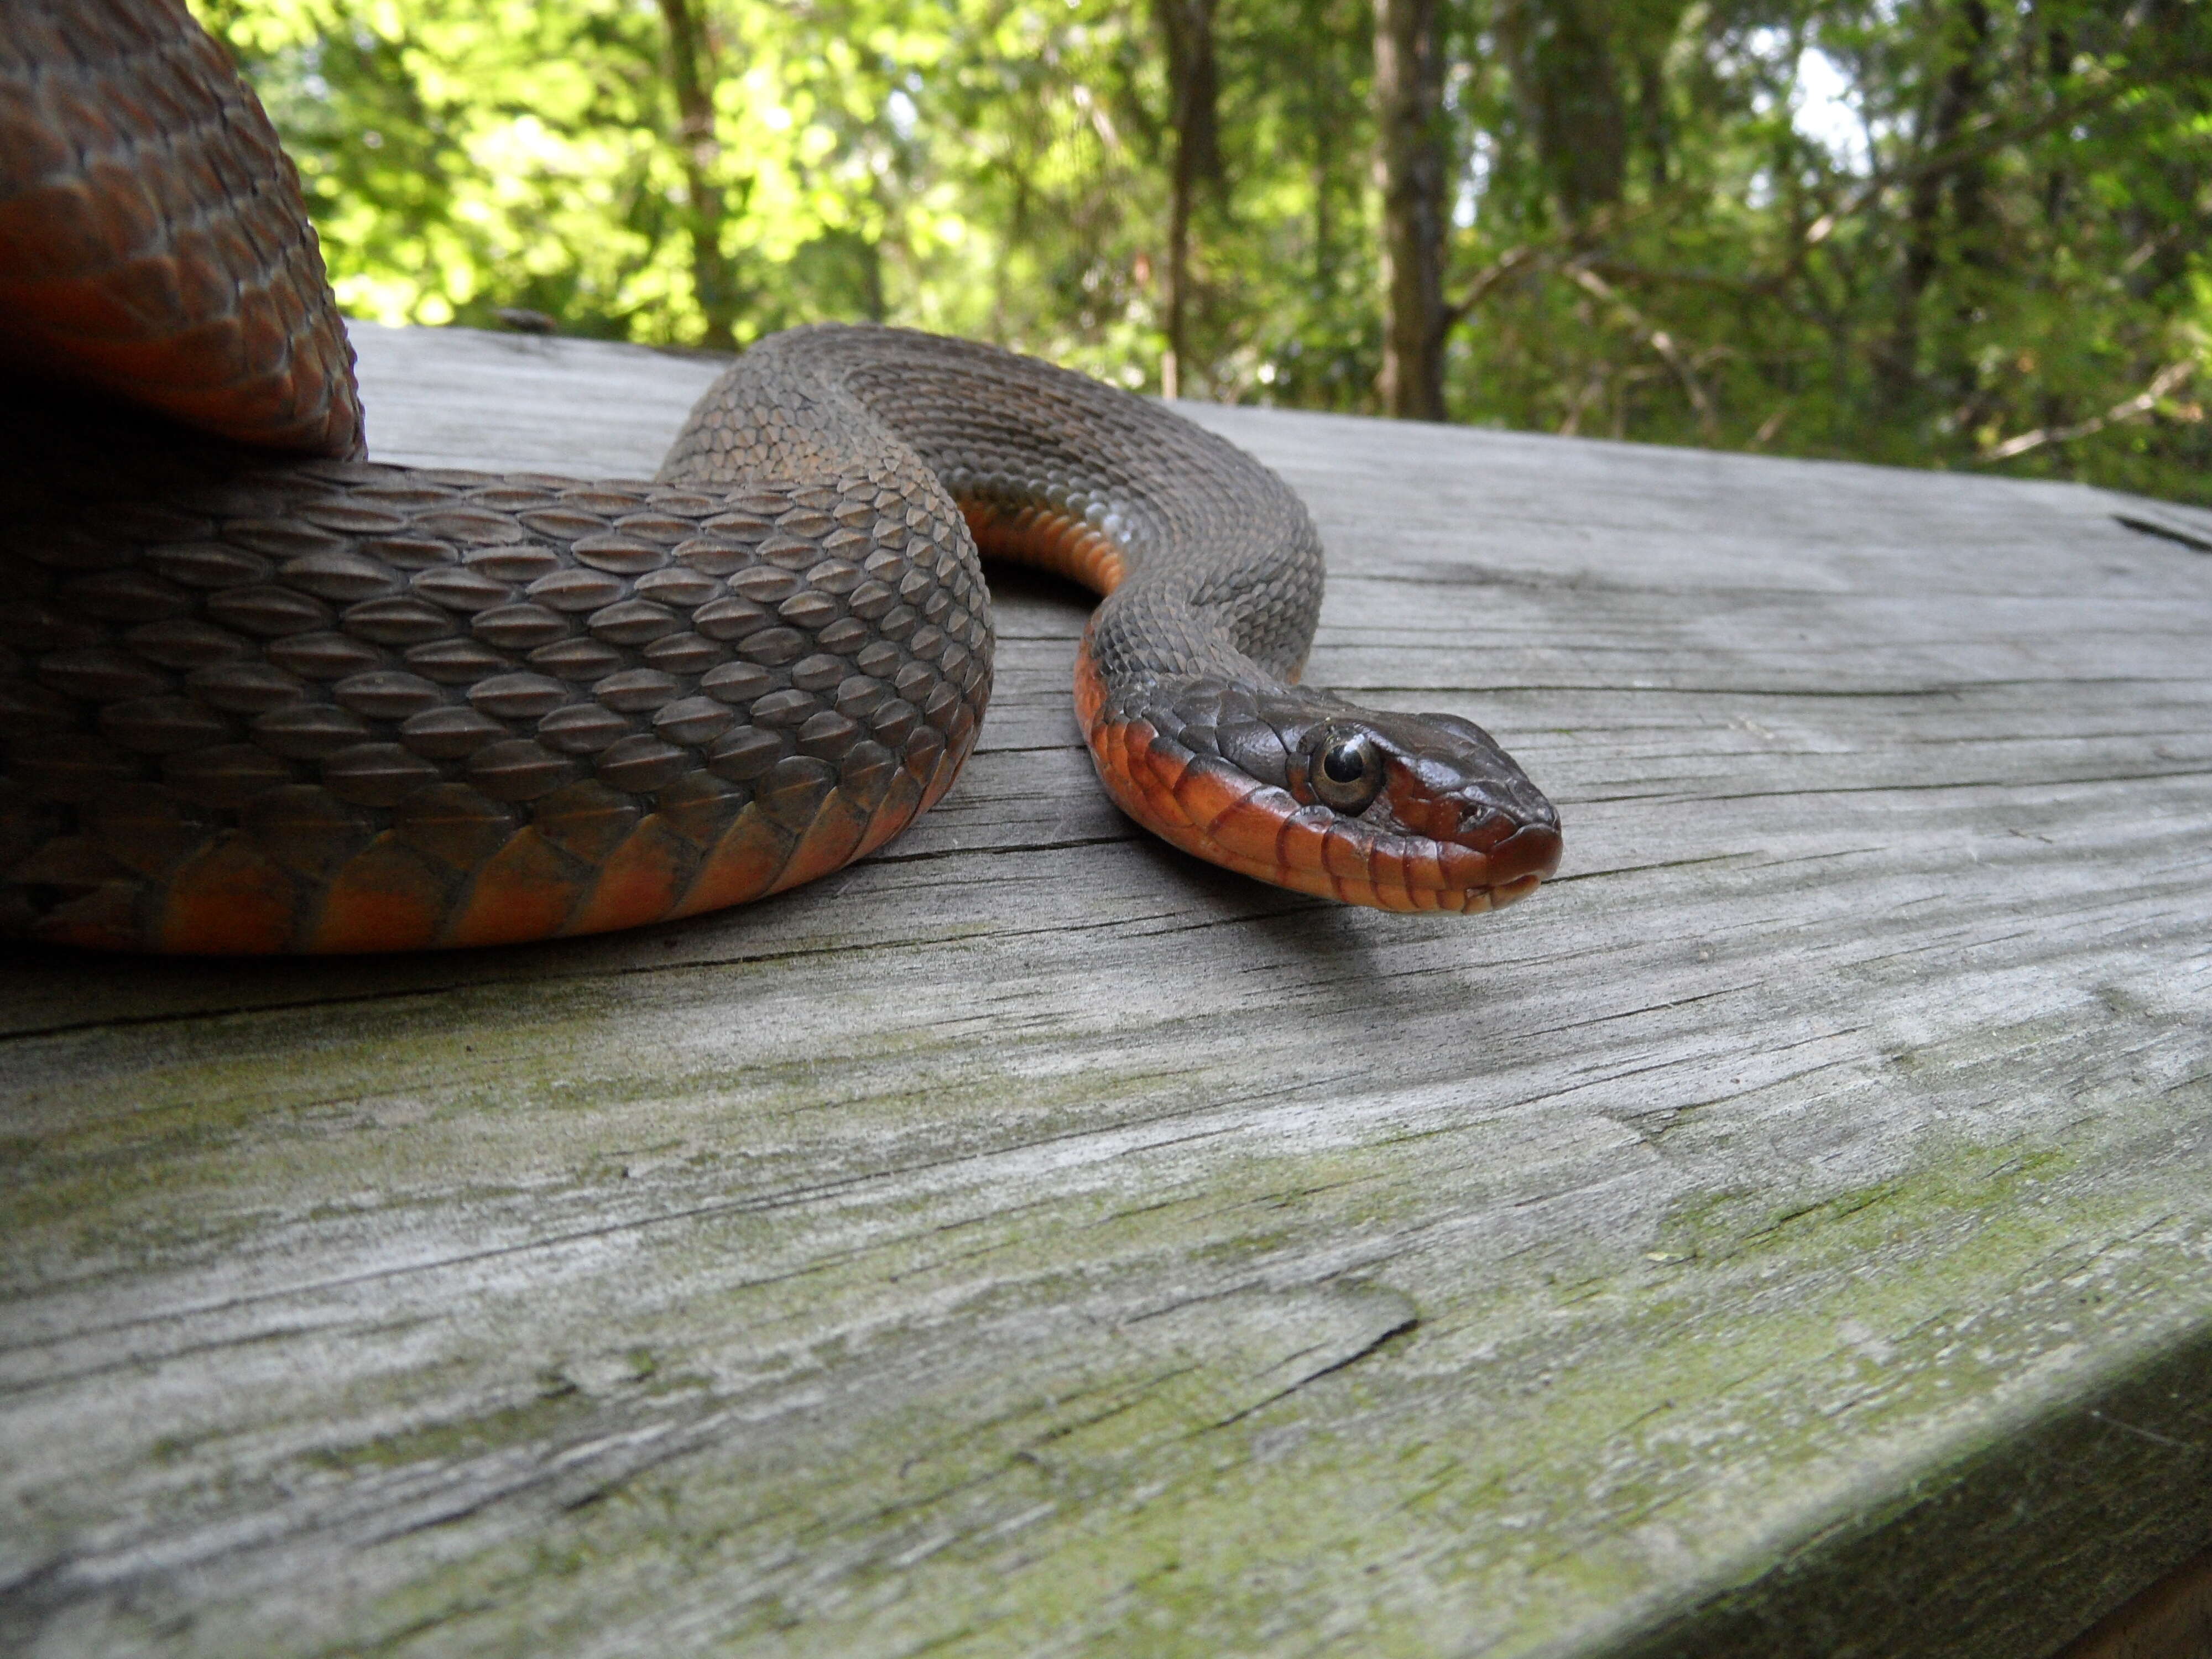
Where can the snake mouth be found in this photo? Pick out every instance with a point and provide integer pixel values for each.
(1208, 808)
(1214, 810)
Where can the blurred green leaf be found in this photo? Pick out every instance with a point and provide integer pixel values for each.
(1914, 233)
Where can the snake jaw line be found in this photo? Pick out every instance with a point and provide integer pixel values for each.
(1454, 826)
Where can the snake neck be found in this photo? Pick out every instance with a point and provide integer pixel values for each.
(1211, 574)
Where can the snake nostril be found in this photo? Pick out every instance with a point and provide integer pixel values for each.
(1482, 827)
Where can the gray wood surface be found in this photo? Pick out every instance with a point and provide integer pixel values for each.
(1789, 1232)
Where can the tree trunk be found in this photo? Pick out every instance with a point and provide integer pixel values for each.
(1955, 98)
(1176, 353)
(1193, 96)
(691, 68)
(1567, 83)
(1411, 165)
(1323, 129)
(1652, 116)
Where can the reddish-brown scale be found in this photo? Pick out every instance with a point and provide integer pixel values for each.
(1510, 892)
(1298, 839)
(1090, 689)
(1047, 541)
(231, 899)
(640, 881)
(527, 889)
(587, 821)
(1251, 832)
(902, 802)
(386, 898)
(826, 844)
(741, 866)
(251, 704)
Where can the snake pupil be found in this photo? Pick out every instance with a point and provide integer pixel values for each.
(1347, 772)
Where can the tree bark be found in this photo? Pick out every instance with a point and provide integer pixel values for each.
(1411, 165)
(691, 69)
(1567, 83)
(1323, 131)
(1955, 99)
(1194, 99)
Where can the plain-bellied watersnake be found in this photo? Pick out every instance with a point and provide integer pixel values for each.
(259, 695)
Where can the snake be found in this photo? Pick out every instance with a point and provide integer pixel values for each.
(261, 694)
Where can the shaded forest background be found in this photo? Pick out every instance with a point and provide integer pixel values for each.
(1949, 232)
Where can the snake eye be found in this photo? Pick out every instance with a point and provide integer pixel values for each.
(1347, 770)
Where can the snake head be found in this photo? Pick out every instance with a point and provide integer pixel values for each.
(1436, 777)
(1427, 802)
(1304, 790)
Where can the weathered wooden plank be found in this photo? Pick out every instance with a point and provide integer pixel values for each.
(2171, 1620)
(1789, 1231)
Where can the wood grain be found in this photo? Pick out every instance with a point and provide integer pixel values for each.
(1789, 1233)
(2171, 1620)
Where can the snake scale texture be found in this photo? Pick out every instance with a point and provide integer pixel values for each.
(260, 694)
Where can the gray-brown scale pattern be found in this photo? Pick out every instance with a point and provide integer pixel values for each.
(1223, 567)
(1208, 630)
(153, 240)
(1223, 573)
(196, 643)
(248, 704)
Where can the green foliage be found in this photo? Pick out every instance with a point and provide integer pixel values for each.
(2002, 236)
(1930, 232)
(463, 154)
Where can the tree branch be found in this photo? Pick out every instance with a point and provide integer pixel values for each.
(2173, 375)
(1653, 336)
(1984, 137)
(1478, 289)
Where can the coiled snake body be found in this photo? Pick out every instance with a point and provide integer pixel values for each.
(259, 695)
